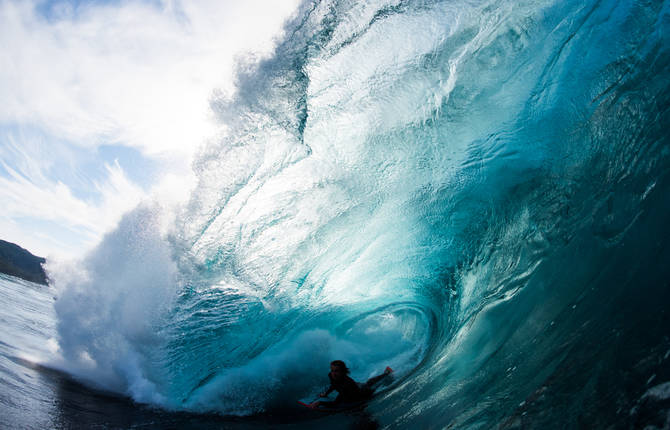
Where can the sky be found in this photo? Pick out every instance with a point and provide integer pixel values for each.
(105, 104)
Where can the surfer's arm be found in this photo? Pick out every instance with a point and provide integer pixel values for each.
(328, 391)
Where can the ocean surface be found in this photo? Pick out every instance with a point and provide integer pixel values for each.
(475, 193)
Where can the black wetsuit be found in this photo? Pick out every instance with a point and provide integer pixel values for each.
(349, 391)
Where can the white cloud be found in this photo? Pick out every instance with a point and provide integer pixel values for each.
(127, 73)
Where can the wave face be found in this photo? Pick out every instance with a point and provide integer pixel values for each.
(474, 193)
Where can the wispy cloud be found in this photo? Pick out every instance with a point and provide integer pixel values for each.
(40, 198)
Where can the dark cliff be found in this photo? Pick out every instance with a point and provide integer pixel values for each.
(18, 262)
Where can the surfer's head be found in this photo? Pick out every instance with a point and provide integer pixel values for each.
(338, 369)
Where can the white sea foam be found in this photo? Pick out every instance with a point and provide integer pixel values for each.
(109, 304)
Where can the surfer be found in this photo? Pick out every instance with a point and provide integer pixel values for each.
(349, 391)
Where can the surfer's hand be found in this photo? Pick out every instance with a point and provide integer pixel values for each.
(315, 405)
(323, 394)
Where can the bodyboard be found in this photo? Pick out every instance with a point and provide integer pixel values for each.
(341, 407)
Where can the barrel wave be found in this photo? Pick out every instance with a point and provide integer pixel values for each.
(473, 193)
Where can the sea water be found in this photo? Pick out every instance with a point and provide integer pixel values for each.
(475, 193)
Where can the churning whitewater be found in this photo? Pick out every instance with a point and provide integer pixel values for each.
(474, 193)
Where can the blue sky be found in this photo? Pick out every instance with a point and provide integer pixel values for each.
(106, 103)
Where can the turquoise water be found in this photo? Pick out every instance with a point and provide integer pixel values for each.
(474, 193)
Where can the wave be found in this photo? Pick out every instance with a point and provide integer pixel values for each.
(467, 191)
